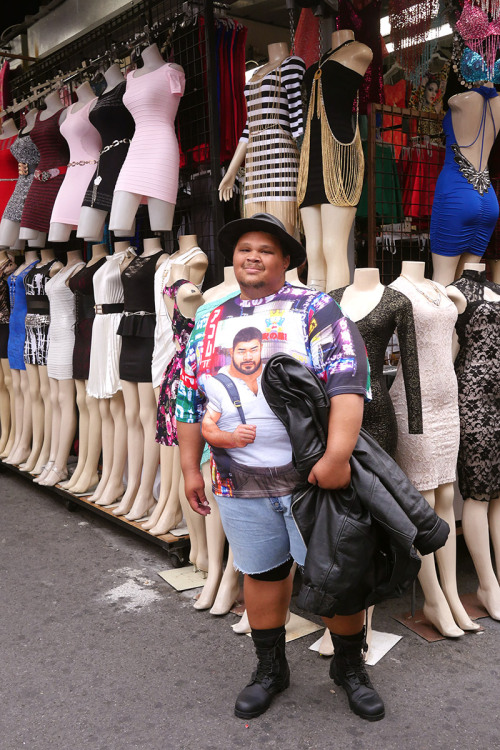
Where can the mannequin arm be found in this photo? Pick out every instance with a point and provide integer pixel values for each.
(191, 448)
(227, 183)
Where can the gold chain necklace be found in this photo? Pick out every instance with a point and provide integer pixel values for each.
(440, 294)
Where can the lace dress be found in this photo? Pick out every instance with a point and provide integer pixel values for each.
(394, 311)
(166, 426)
(429, 459)
(478, 372)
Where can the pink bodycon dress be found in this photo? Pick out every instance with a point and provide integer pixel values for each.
(84, 144)
(151, 167)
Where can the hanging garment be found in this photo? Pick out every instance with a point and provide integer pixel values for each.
(478, 371)
(6, 268)
(18, 308)
(62, 324)
(8, 171)
(392, 125)
(36, 344)
(81, 284)
(430, 458)
(116, 127)
(84, 144)
(388, 199)
(26, 154)
(420, 166)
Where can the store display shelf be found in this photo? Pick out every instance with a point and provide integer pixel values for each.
(177, 547)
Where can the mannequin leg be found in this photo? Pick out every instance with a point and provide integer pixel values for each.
(91, 223)
(447, 558)
(89, 476)
(55, 430)
(22, 446)
(135, 446)
(10, 435)
(67, 407)
(37, 416)
(161, 215)
(114, 487)
(477, 537)
(4, 412)
(43, 456)
(168, 513)
(215, 546)
(229, 589)
(436, 608)
(107, 440)
(123, 210)
(494, 524)
(198, 555)
(336, 224)
(446, 269)
(144, 499)
(59, 232)
(495, 270)
(465, 258)
(83, 435)
(9, 232)
(316, 263)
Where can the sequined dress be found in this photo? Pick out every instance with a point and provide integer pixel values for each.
(24, 150)
(36, 343)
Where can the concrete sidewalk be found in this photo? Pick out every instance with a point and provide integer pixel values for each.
(98, 653)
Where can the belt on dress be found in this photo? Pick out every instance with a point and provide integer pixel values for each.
(117, 307)
(44, 175)
(138, 312)
(25, 169)
(39, 306)
(8, 179)
(98, 178)
(82, 163)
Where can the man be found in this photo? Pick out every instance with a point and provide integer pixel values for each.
(254, 499)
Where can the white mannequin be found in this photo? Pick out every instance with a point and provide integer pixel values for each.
(143, 451)
(125, 204)
(227, 286)
(481, 520)
(467, 111)
(92, 220)
(9, 129)
(62, 393)
(7, 410)
(327, 227)
(277, 52)
(85, 94)
(293, 278)
(41, 407)
(364, 294)
(30, 118)
(22, 402)
(442, 607)
(53, 104)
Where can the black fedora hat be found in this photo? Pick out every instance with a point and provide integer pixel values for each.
(231, 233)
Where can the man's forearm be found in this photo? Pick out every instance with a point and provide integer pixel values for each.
(191, 444)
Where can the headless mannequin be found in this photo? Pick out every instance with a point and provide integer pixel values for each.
(9, 129)
(327, 228)
(467, 111)
(41, 406)
(22, 402)
(277, 52)
(114, 439)
(142, 449)
(442, 607)
(61, 232)
(85, 478)
(481, 520)
(91, 222)
(125, 204)
(7, 404)
(227, 286)
(53, 104)
(9, 230)
(62, 393)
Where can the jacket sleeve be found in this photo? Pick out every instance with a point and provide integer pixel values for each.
(407, 338)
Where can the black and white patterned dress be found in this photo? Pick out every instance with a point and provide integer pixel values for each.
(478, 373)
(24, 150)
(275, 121)
(37, 322)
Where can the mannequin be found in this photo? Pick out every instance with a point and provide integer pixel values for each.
(137, 331)
(328, 222)
(225, 288)
(54, 155)
(26, 153)
(116, 127)
(60, 370)
(8, 163)
(463, 218)
(35, 358)
(7, 411)
(9, 129)
(277, 81)
(84, 479)
(85, 144)
(429, 460)
(151, 166)
(479, 483)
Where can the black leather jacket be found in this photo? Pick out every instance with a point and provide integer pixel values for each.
(360, 541)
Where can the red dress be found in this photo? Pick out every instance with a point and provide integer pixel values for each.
(8, 172)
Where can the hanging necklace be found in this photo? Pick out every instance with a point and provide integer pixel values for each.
(440, 294)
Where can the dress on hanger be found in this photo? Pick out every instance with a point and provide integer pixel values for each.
(151, 167)
(62, 324)
(4, 309)
(166, 426)
(137, 326)
(478, 372)
(8, 171)
(104, 378)
(26, 153)
(429, 459)
(465, 208)
(18, 308)
(36, 344)
(394, 311)
(81, 284)
(84, 144)
(49, 175)
(164, 347)
(116, 127)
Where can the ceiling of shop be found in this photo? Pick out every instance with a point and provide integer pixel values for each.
(274, 12)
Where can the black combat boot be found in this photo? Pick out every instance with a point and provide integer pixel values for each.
(348, 670)
(271, 676)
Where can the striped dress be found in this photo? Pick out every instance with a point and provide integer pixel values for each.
(274, 123)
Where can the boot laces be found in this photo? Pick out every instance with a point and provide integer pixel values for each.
(356, 670)
(267, 665)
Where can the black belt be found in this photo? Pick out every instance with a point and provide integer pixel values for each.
(38, 306)
(107, 309)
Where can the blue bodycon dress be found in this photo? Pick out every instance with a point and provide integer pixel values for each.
(17, 327)
(465, 208)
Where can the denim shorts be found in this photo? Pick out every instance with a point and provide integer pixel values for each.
(261, 532)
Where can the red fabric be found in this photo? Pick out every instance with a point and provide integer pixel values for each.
(420, 166)
(5, 95)
(8, 172)
(306, 37)
(395, 95)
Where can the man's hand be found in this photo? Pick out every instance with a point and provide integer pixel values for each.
(330, 474)
(194, 488)
(243, 435)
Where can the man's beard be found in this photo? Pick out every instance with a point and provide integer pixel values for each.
(247, 372)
